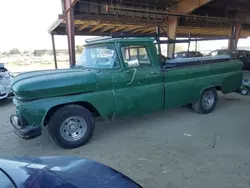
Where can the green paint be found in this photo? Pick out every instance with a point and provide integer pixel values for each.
(114, 92)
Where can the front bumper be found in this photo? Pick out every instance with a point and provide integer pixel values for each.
(23, 130)
(7, 93)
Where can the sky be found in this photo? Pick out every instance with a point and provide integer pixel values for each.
(25, 23)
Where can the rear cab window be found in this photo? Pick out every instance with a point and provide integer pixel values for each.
(247, 54)
(137, 53)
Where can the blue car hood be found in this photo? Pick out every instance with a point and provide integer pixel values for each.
(63, 172)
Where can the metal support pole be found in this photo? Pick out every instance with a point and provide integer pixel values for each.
(196, 44)
(158, 41)
(54, 50)
(172, 29)
(158, 33)
(189, 38)
(234, 37)
(70, 25)
(231, 42)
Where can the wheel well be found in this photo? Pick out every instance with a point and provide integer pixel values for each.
(86, 105)
(218, 88)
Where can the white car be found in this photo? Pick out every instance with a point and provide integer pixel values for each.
(5, 82)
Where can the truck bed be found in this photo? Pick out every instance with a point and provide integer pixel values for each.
(186, 62)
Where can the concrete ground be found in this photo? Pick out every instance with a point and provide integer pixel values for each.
(173, 148)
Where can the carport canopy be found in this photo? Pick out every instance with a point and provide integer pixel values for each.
(206, 19)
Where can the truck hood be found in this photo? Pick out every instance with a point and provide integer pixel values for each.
(51, 83)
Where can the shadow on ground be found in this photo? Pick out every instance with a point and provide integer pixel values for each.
(5, 102)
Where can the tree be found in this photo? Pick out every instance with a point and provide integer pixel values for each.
(79, 48)
(26, 52)
(14, 51)
(5, 53)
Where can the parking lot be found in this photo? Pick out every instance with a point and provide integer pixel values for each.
(172, 148)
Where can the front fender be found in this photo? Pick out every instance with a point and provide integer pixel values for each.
(35, 111)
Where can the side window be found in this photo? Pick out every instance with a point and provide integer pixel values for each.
(214, 53)
(184, 55)
(136, 55)
(223, 52)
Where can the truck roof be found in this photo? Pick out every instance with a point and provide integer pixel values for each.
(101, 40)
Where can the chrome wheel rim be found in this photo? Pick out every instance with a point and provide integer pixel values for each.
(208, 99)
(244, 92)
(73, 128)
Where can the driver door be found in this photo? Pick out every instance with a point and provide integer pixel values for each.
(139, 86)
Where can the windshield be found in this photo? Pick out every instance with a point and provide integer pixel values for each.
(99, 57)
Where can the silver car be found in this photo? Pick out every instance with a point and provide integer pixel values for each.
(5, 82)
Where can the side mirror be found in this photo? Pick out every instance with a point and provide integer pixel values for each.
(133, 63)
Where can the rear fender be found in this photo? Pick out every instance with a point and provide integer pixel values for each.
(231, 83)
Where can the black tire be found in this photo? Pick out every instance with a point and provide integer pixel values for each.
(60, 116)
(244, 91)
(199, 106)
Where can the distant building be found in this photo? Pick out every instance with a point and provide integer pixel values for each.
(49, 52)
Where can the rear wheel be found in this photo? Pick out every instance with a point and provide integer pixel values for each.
(244, 91)
(71, 126)
(207, 101)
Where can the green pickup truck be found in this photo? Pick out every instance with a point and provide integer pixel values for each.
(113, 78)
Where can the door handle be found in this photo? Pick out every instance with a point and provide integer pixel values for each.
(133, 77)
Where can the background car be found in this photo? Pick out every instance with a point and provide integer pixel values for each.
(245, 87)
(60, 172)
(5, 82)
(242, 55)
(186, 54)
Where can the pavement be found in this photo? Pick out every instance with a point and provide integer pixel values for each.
(168, 149)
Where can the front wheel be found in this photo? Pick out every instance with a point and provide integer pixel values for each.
(207, 101)
(71, 126)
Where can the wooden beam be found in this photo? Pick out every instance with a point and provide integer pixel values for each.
(172, 30)
(71, 5)
(90, 22)
(187, 6)
(108, 27)
(245, 33)
(138, 30)
(70, 27)
(98, 26)
(234, 35)
(118, 28)
(152, 32)
(205, 31)
(132, 27)
(83, 26)
(144, 30)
